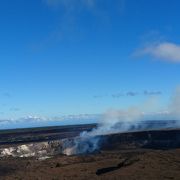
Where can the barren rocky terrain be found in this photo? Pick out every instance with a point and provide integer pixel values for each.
(151, 155)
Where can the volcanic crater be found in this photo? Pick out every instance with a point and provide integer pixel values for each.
(130, 155)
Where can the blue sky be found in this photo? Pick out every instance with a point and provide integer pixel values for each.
(62, 57)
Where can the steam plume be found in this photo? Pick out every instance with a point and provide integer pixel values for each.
(174, 106)
(124, 120)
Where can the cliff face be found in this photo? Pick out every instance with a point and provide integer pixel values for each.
(159, 139)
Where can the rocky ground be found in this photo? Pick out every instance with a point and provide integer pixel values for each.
(138, 164)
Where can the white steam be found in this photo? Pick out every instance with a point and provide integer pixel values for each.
(174, 106)
(85, 143)
(124, 120)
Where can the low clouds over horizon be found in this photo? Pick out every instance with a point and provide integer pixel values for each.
(39, 121)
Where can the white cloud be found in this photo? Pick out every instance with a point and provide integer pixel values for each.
(165, 51)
